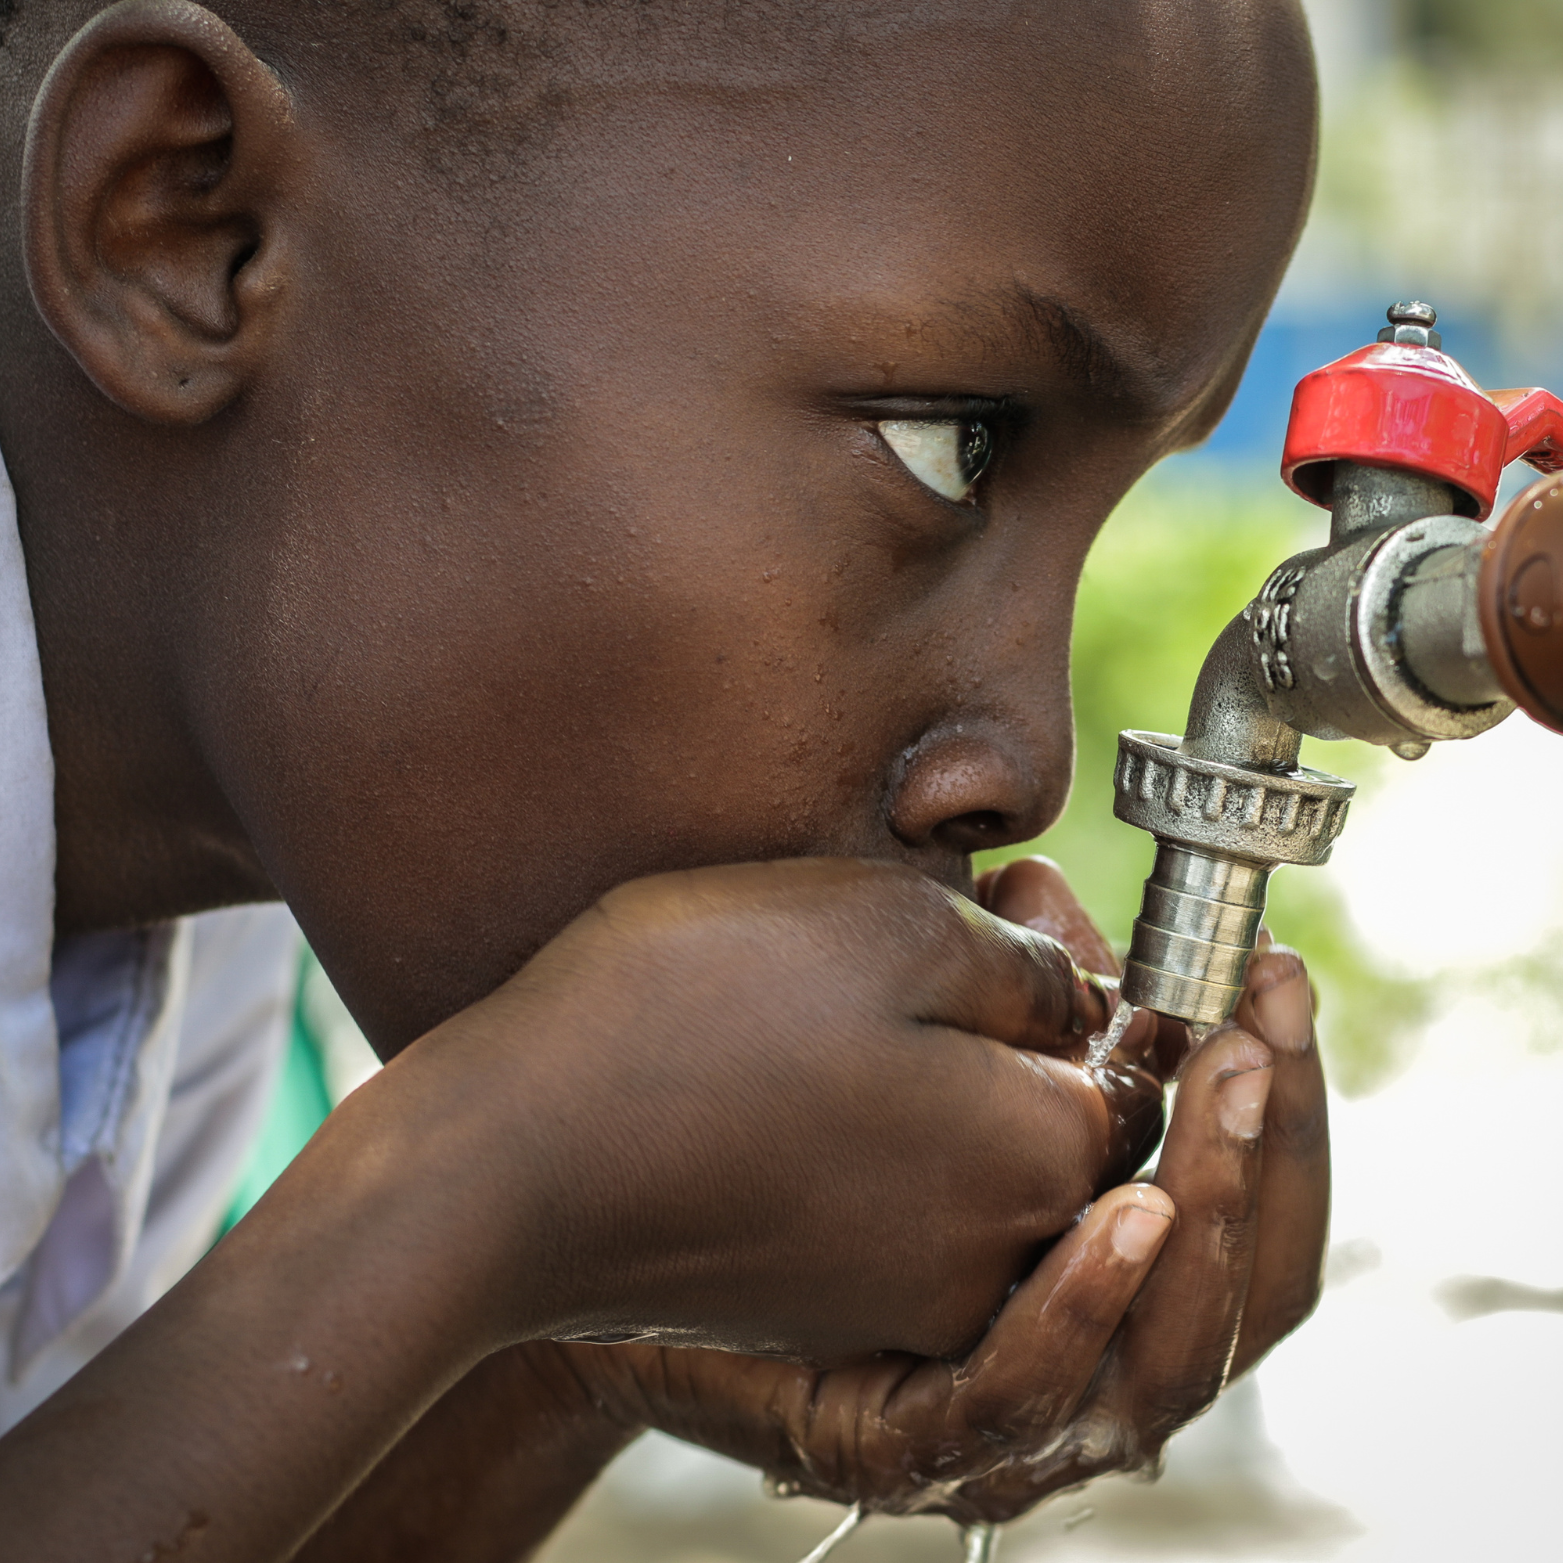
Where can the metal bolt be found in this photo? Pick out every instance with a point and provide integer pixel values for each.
(1409, 312)
(1411, 324)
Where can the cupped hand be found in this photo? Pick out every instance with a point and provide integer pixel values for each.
(816, 1108)
(1127, 1329)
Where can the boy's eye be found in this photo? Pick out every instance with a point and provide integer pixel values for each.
(948, 455)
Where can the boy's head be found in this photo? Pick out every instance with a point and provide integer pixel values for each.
(469, 491)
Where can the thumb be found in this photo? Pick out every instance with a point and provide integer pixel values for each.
(1034, 891)
(1029, 1372)
(1000, 980)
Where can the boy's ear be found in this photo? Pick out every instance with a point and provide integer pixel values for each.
(159, 157)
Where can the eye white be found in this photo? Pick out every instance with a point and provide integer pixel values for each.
(938, 454)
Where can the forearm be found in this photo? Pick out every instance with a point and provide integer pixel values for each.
(486, 1474)
(242, 1409)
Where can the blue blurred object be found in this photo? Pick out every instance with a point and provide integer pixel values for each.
(1293, 345)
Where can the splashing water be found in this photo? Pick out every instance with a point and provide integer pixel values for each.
(854, 1518)
(1103, 1043)
(982, 1543)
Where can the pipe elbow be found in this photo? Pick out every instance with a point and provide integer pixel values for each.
(1230, 719)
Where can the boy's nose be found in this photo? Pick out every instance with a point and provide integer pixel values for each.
(970, 788)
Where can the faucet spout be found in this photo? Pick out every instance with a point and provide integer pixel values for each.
(1229, 717)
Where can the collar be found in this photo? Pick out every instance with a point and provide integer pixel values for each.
(31, 1171)
(88, 1029)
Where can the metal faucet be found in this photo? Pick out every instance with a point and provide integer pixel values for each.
(1415, 624)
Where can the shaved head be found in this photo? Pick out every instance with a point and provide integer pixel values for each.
(503, 74)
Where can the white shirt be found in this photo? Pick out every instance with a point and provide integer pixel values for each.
(135, 1068)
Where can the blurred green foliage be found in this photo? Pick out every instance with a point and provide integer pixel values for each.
(1184, 552)
(1469, 35)
(1531, 986)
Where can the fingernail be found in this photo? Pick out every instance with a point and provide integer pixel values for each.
(1283, 1004)
(1137, 1232)
(1241, 1107)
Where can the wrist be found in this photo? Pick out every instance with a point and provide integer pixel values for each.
(462, 1152)
(578, 1387)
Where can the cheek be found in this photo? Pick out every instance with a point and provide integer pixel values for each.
(496, 675)
(476, 699)
(700, 636)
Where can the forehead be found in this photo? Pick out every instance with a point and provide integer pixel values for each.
(1118, 183)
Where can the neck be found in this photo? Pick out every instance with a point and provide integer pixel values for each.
(143, 831)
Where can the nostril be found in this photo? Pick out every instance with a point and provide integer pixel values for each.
(970, 789)
(976, 831)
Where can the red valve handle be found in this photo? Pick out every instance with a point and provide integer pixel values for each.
(1397, 405)
(1535, 427)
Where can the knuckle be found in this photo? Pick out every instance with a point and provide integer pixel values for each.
(1228, 1223)
(1012, 1424)
(1171, 1407)
(1301, 1136)
(1087, 1315)
(638, 906)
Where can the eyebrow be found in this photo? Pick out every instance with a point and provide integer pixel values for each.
(1046, 326)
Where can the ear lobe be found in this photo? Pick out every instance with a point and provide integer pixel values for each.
(159, 156)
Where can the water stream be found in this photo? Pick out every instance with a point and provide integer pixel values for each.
(981, 1542)
(838, 1535)
(1103, 1043)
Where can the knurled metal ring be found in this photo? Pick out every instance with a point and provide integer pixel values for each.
(1263, 816)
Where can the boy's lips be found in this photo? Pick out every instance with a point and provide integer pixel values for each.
(945, 865)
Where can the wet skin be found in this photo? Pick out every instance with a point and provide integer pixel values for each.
(442, 554)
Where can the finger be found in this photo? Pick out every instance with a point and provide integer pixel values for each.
(1136, 1114)
(1034, 892)
(1177, 1342)
(1079, 1130)
(984, 974)
(899, 1439)
(1170, 1358)
(1294, 1189)
(982, 888)
(1029, 1372)
(944, 1426)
